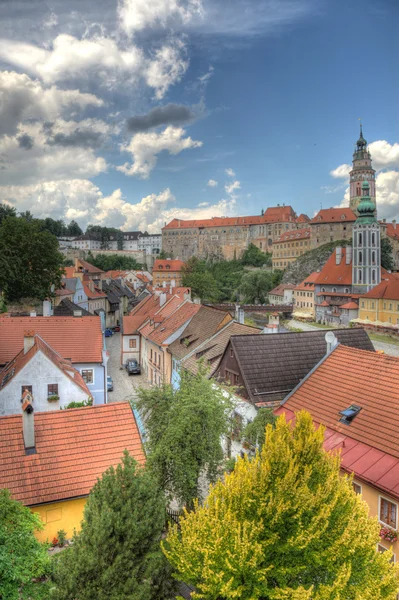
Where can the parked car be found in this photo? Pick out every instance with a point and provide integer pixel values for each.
(109, 333)
(116, 328)
(110, 384)
(133, 367)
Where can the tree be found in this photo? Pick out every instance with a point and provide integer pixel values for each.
(114, 262)
(284, 525)
(116, 555)
(386, 254)
(254, 257)
(254, 432)
(73, 229)
(202, 285)
(30, 262)
(185, 427)
(6, 211)
(163, 256)
(255, 286)
(22, 556)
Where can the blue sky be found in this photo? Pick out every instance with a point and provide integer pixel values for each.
(258, 104)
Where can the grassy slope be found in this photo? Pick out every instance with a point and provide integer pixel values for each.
(311, 261)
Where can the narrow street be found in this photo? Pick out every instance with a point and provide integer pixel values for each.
(125, 385)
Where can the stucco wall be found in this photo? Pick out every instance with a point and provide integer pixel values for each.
(38, 373)
(65, 515)
(128, 353)
(97, 387)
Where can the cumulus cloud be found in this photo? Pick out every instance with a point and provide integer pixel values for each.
(25, 141)
(145, 147)
(166, 68)
(384, 154)
(212, 183)
(230, 172)
(341, 172)
(170, 114)
(23, 98)
(231, 187)
(89, 133)
(136, 15)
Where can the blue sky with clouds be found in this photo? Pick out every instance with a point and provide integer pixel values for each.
(129, 113)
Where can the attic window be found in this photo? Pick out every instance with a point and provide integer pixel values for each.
(349, 414)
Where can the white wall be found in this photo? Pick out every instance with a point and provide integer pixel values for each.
(128, 353)
(39, 372)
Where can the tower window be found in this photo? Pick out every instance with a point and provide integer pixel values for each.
(373, 257)
(360, 239)
(360, 258)
(373, 275)
(373, 239)
(360, 276)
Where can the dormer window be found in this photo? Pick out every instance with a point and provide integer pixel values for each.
(349, 414)
(343, 217)
(168, 266)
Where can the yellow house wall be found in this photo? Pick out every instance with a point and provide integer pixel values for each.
(66, 515)
(372, 497)
(379, 309)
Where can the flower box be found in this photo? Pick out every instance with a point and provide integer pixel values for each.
(53, 398)
(386, 533)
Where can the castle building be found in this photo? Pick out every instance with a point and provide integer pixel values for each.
(366, 263)
(361, 171)
(289, 246)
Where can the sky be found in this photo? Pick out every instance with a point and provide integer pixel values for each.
(129, 113)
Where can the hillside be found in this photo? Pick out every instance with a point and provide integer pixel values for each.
(311, 261)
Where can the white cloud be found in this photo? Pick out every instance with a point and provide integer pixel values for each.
(166, 68)
(212, 183)
(341, 172)
(145, 148)
(136, 15)
(23, 98)
(384, 154)
(230, 188)
(230, 172)
(203, 204)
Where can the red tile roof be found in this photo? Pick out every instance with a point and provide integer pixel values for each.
(73, 448)
(332, 273)
(69, 272)
(369, 445)
(279, 290)
(393, 230)
(114, 274)
(275, 214)
(386, 289)
(131, 323)
(161, 266)
(308, 283)
(303, 218)
(334, 215)
(22, 359)
(64, 292)
(88, 267)
(294, 234)
(97, 293)
(76, 338)
(350, 306)
(171, 324)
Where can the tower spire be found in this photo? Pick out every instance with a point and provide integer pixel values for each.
(362, 170)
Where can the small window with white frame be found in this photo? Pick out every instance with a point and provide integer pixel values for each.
(388, 513)
(87, 375)
(357, 488)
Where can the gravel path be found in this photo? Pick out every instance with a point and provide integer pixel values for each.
(388, 348)
(124, 385)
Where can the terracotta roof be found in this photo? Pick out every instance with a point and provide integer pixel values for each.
(272, 365)
(69, 272)
(279, 290)
(80, 340)
(167, 265)
(275, 214)
(294, 234)
(350, 306)
(131, 323)
(202, 326)
(308, 283)
(369, 444)
(88, 267)
(39, 345)
(303, 218)
(64, 292)
(386, 289)
(73, 448)
(324, 303)
(93, 295)
(334, 215)
(114, 274)
(212, 350)
(171, 324)
(332, 273)
(338, 294)
(143, 277)
(393, 230)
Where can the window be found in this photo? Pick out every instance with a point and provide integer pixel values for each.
(360, 276)
(26, 387)
(360, 258)
(151, 355)
(357, 488)
(52, 389)
(360, 238)
(373, 276)
(88, 375)
(388, 512)
(231, 353)
(381, 548)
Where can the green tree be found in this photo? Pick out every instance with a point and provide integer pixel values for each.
(284, 525)
(254, 432)
(116, 555)
(202, 285)
(163, 255)
(255, 286)
(30, 262)
(27, 215)
(185, 427)
(22, 556)
(386, 254)
(254, 257)
(114, 262)
(74, 229)
(6, 211)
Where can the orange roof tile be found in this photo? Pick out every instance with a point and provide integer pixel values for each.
(368, 380)
(171, 324)
(386, 289)
(303, 218)
(273, 214)
(294, 234)
(279, 290)
(64, 292)
(88, 267)
(97, 293)
(332, 273)
(308, 283)
(167, 265)
(114, 274)
(350, 306)
(334, 215)
(69, 272)
(131, 323)
(73, 448)
(79, 339)
(393, 230)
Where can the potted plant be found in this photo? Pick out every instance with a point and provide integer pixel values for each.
(386, 533)
(53, 398)
(61, 535)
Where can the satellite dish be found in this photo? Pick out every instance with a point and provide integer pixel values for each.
(329, 337)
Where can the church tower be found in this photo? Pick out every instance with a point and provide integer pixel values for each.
(366, 242)
(361, 171)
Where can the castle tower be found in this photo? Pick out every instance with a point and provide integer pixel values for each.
(366, 243)
(361, 171)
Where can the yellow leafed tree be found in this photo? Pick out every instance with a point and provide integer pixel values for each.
(285, 525)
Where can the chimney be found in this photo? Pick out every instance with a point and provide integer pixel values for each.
(162, 299)
(47, 308)
(29, 340)
(348, 255)
(331, 341)
(28, 424)
(241, 316)
(32, 314)
(338, 255)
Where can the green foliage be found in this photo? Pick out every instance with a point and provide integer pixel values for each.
(6, 211)
(116, 555)
(68, 262)
(256, 285)
(73, 229)
(21, 555)
(312, 260)
(29, 260)
(202, 283)
(105, 235)
(254, 257)
(3, 305)
(61, 536)
(74, 404)
(114, 262)
(163, 256)
(226, 277)
(284, 525)
(386, 254)
(255, 431)
(184, 429)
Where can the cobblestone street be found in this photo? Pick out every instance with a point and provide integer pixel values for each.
(125, 385)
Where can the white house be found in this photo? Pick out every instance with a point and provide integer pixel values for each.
(51, 380)
(282, 294)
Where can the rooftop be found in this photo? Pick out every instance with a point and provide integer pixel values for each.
(172, 323)
(274, 214)
(386, 289)
(279, 290)
(334, 215)
(294, 234)
(73, 448)
(167, 265)
(308, 283)
(332, 273)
